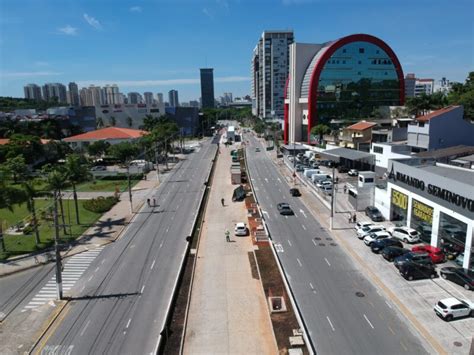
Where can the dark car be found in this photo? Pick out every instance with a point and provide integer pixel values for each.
(374, 214)
(413, 257)
(300, 167)
(463, 277)
(295, 192)
(285, 209)
(380, 245)
(390, 253)
(342, 169)
(411, 271)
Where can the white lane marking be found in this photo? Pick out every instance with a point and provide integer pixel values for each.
(85, 327)
(128, 323)
(330, 323)
(303, 226)
(314, 242)
(303, 213)
(96, 269)
(177, 207)
(279, 190)
(90, 278)
(368, 321)
(388, 304)
(311, 285)
(161, 245)
(103, 261)
(143, 287)
(327, 261)
(152, 264)
(289, 242)
(299, 262)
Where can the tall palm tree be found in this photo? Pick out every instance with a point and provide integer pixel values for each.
(76, 172)
(129, 122)
(56, 180)
(30, 194)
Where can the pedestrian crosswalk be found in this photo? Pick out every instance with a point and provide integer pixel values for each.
(72, 271)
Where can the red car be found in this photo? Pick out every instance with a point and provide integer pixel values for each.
(436, 254)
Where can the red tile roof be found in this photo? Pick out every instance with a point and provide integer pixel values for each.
(436, 113)
(107, 133)
(361, 126)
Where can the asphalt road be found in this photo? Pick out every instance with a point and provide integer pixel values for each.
(120, 303)
(343, 312)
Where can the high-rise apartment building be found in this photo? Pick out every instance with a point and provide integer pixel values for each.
(73, 94)
(270, 62)
(111, 94)
(134, 98)
(159, 97)
(54, 91)
(410, 81)
(148, 97)
(32, 92)
(173, 98)
(415, 87)
(207, 87)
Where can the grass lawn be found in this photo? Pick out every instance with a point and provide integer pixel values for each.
(105, 185)
(21, 244)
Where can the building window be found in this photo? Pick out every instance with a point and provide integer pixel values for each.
(422, 219)
(344, 50)
(361, 50)
(359, 62)
(398, 207)
(378, 149)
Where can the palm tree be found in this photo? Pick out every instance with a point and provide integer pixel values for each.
(129, 122)
(76, 172)
(112, 121)
(56, 180)
(100, 122)
(31, 193)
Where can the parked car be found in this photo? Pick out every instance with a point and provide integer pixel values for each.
(460, 260)
(299, 167)
(353, 172)
(381, 244)
(362, 224)
(408, 235)
(463, 277)
(452, 308)
(361, 233)
(285, 209)
(451, 250)
(291, 158)
(391, 252)
(412, 257)
(326, 189)
(241, 229)
(372, 237)
(295, 192)
(314, 165)
(436, 254)
(374, 214)
(411, 271)
(322, 183)
(342, 169)
(99, 168)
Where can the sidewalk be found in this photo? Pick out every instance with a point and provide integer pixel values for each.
(106, 230)
(228, 312)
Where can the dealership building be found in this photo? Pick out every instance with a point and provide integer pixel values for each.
(349, 76)
(434, 198)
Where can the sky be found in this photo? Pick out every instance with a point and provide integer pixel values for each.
(160, 45)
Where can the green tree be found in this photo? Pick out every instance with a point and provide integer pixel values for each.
(16, 167)
(463, 94)
(76, 171)
(259, 126)
(320, 130)
(112, 121)
(129, 122)
(98, 148)
(149, 122)
(124, 152)
(56, 180)
(99, 122)
(27, 145)
(30, 194)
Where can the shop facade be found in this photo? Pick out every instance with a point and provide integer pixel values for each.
(438, 201)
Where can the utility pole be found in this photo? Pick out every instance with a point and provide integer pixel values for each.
(157, 164)
(59, 283)
(129, 187)
(332, 197)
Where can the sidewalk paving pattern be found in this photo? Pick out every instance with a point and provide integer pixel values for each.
(228, 311)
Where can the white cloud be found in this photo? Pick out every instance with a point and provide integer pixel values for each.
(15, 75)
(135, 9)
(93, 22)
(206, 12)
(68, 30)
(169, 82)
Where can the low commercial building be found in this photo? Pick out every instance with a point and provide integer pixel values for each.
(434, 198)
(357, 136)
(127, 115)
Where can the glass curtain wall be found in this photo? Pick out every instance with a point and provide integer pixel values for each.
(422, 219)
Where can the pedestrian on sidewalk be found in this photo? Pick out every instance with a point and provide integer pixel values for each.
(227, 235)
(354, 218)
(350, 218)
(148, 202)
(154, 202)
(345, 188)
(222, 202)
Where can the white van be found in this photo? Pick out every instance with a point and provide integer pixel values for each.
(320, 177)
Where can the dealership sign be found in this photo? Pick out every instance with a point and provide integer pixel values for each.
(464, 203)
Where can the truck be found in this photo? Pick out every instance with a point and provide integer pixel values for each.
(235, 175)
(309, 172)
(230, 133)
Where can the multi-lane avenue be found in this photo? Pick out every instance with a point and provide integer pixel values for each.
(341, 309)
(120, 302)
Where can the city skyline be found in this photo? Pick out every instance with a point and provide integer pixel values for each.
(431, 51)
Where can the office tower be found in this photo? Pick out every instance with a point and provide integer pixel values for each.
(228, 98)
(134, 98)
(173, 98)
(148, 97)
(73, 94)
(207, 87)
(32, 92)
(54, 91)
(194, 103)
(159, 97)
(270, 62)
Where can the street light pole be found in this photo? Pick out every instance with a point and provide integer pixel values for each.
(59, 284)
(157, 164)
(129, 187)
(332, 198)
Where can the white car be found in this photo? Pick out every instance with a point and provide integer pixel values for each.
(372, 237)
(452, 308)
(362, 224)
(241, 229)
(327, 189)
(408, 235)
(365, 231)
(323, 183)
(353, 172)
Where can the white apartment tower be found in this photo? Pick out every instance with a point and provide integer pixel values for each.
(270, 63)
(148, 97)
